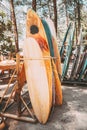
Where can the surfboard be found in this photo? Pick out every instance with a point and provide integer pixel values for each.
(35, 29)
(78, 55)
(49, 38)
(64, 40)
(56, 63)
(85, 76)
(55, 46)
(37, 79)
(83, 68)
(68, 53)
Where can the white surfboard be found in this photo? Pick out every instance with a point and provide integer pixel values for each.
(37, 79)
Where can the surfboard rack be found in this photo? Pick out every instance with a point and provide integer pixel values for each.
(18, 99)
(75, 70)
(21, 118)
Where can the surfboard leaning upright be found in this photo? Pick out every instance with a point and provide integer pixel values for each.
(55, 47)
(35, 30)
(57, 65)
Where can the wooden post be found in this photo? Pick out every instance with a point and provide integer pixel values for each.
(18, 92)
(15, 117)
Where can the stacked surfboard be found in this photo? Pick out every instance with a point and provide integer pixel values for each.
(41, 66)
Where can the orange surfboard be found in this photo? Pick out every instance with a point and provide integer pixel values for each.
(35, 30)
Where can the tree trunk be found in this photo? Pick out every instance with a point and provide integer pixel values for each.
(55, 14)
(75, 21)
(79, 16)
(34, 5)
(14, 25)
(66, 13)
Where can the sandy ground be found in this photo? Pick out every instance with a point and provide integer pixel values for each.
(72, 115)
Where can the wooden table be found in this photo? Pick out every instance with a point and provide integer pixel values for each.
(7, 65)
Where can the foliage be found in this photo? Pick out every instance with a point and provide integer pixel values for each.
(74, 11)
(6, 39)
